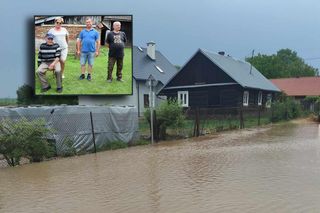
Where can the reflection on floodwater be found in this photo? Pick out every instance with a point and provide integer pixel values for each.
(262, 170)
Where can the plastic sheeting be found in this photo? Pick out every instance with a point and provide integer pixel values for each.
(72, 124)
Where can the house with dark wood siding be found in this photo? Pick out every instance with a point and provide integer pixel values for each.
(218, 80)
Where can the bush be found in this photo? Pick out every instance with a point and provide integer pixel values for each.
(285, 109)
(23, 138)
(69, 150)
(168, 114)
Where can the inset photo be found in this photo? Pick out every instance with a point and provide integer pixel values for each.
(83, 55)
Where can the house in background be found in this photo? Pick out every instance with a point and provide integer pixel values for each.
(74, 25)
(146, 61)
(299, 88)
(217, 80)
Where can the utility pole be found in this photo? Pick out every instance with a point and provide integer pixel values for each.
(151, 82)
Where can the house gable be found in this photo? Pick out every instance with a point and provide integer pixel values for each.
(199, 70)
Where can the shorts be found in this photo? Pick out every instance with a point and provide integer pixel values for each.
(87, 56)
(64, 54)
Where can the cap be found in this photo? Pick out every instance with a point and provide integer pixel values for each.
(50, 35)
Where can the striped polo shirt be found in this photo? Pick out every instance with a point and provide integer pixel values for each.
(48, 53)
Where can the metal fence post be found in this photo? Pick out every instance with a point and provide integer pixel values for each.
(259, 115)
(93, 136)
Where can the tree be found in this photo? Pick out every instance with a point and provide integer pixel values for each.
(286, 63)
(26, 96)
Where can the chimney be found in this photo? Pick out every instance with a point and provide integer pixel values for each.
(151, 50)
(221, 53)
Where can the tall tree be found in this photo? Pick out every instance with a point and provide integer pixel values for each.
(286, 63)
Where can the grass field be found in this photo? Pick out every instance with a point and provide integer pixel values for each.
(98, 85)
(8, 102)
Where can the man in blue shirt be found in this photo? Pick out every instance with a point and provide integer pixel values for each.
(88, 44)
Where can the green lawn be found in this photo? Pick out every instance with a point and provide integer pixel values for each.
(209, 125)
(98, 85)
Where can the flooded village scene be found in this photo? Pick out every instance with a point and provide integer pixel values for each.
(113, 123)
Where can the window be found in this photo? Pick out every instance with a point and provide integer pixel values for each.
(260, 98)
(183, 98)
(245, 98)
(146, 101)
(269, 100)
(159, 69)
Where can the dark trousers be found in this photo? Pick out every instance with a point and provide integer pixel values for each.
(111, 62)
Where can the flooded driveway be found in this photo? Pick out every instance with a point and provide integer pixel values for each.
(267, 170)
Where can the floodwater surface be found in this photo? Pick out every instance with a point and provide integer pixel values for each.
(266, 170)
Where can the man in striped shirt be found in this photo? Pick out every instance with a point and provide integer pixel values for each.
(48, 59)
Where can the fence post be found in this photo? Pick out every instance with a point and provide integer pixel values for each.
(196, 132)
(259, 115)
(93, 136)
(155, 126)
(319, 111)
(241, 118)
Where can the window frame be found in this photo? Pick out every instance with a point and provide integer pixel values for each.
(185, 98)
(260, 98)
(245, 98)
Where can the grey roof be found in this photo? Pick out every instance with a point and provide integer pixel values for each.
(143, 66)
(118, 18)
(240, 71)
(40, 20)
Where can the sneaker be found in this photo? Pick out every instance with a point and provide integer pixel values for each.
(46, 89)
(120, 80)
(62, 76)
(109, 80)
(89, 77)
(81, 77)
(59, 90)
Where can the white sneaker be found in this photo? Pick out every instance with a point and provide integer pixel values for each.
(62, 76)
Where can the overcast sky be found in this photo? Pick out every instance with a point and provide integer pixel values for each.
(179, 28)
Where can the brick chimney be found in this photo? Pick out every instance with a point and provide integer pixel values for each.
(151, 50)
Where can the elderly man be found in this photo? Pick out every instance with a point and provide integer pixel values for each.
(49, 59)
(89, 44)
(116, 40)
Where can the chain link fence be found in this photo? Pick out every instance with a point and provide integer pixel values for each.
(76, 129)
(201, 121)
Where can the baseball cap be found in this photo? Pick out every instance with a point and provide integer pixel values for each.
(50, 35)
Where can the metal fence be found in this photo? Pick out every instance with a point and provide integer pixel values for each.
(208, 120)
(77, 130)
(200, 121)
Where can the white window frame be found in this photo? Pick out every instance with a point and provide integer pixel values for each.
(260, 98)
(245, 98)
(269, 100)
(183, 98)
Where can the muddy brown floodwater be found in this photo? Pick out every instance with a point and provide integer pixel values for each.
(266, 170)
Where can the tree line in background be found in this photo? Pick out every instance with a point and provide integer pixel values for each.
(25, 97)
(284, 64)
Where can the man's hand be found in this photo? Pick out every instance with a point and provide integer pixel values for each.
(51, 66)
(97, 53)
(78, 52)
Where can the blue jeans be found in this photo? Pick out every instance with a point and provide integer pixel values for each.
(87, 56)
